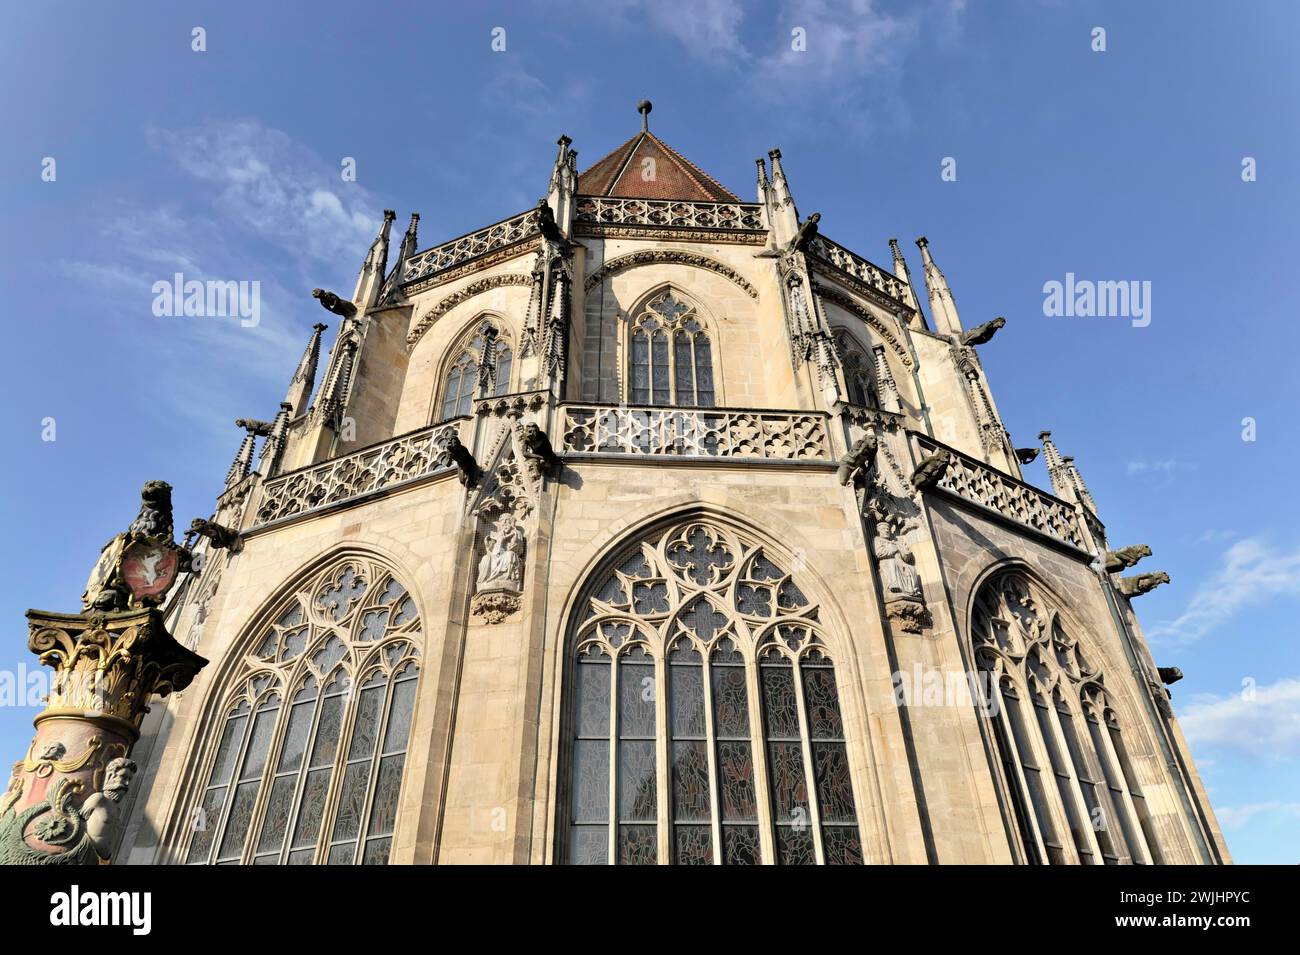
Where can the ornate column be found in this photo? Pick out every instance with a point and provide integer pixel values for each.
(109, 661)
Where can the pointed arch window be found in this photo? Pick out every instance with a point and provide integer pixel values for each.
(707, 727)
(481, 369)
(859, 371)
(309, 760)
(671, 358)
(1063, 763)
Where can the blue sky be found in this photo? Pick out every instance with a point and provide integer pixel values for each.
(1123, 164)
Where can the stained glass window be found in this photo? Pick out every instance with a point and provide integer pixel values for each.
(316, 730)
(677, 643)
(481, 368)
(859, 372)
(1062, 763)
(680, 375)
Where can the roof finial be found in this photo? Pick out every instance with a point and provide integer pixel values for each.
(644, 108)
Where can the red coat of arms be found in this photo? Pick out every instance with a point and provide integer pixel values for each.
(149, 570)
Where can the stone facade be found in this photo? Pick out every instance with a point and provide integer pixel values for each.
(865, 530)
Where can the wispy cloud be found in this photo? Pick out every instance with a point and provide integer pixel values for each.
(1263, 722)
(1163, 466)
(1251, 572)
(1237, 817)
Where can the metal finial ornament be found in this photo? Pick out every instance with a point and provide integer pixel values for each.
(644, 108)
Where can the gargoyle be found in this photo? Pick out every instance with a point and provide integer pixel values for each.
(859, 459)
(807, 232)
(1140, 584)
(464, 461)
(219, 535)
(1117, 560)
(1026, 455)
(1169, 675)
(547, 225)
(254, 426)
(931, 470)
(982, 333)
(537, 450)
(331, 302)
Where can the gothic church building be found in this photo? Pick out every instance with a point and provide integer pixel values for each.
(651, 526)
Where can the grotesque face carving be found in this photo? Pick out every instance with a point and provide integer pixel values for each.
(118, 776)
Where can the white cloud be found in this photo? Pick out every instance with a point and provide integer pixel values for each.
(1164, 466)
(275, 189)
(1237, 817)
(1251, 572)
(844, 38)
(1263, 723)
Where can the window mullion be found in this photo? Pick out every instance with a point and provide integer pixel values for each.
(615, 688)
(336, 772)
(304, 770)
(711, 744)
(1031, 817)
(758, 755)
(1075, 787)
(220, 832)
(267, 783)
(381, 731)
(1107, 755)
(810, 771)
(663, 768)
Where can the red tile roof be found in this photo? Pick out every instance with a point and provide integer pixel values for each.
(675, 177)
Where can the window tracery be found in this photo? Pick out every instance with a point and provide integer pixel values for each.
(745, 761)
(671, 358)
(481, 369)
(309, 760)
(859, 371)
(1072, 787)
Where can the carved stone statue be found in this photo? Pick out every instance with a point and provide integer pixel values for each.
(502, 566)
(500, 571)
(1117, 560)
(859, 458)
(538, 452)
(982, 333)
(1169, 675)
(137, 567)
(220, 536)
(464, 461)
(546, 223)
(897, 574)
(931, 470)
(807, 232)
(332, 302)
(1026, 455)
(101, 812)
(1140, 584)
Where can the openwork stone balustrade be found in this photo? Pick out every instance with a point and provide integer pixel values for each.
(859, 268)
(688, 215)
(453, 253)
(980, 484)
(412, 456)
(704, 433)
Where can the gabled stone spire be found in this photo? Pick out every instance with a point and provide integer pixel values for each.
(901, 272)
(410, 243)
(1076, 480)
(243, 463)
(1062, 486)
(375, 267)
(563, 185)
(942, 307)
(783, 214)
(304, 378)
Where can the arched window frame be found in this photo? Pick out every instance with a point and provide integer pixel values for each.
(665, 328)
(609, 634)
(329, 640)
(480, 365)
(1060, 774)
(858, 365)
